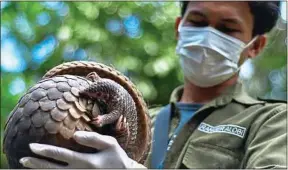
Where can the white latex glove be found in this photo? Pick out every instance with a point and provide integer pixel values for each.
(111, 155)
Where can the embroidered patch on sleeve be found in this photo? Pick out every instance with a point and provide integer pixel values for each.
(230, 129)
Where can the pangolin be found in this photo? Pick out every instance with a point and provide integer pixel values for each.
(67, 100)
(119, 103)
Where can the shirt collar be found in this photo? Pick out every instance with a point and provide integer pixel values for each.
(235, 92)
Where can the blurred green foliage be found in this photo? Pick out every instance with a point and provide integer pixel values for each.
(140, 44)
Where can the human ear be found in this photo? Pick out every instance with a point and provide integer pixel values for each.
(257, 46)
(178, 20)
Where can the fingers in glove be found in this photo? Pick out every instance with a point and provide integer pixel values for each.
(55, 152)
(36, 163)
(95, 140)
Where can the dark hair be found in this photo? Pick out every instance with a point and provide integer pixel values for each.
(265, 14)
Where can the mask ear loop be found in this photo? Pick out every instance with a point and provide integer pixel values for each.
(251, 42)
(242, 58)
(183, 19)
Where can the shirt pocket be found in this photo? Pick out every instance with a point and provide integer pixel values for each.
(208, 156)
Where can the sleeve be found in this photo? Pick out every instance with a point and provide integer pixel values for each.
(267, 148)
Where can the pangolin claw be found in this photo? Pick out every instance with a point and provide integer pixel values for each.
(121, 125)
(122, 133)
(97, 121)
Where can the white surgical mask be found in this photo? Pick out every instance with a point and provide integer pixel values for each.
(208, 57)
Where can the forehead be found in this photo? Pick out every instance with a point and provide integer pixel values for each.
(239, 10)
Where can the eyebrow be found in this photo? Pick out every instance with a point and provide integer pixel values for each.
(232, 21)
(197, 13)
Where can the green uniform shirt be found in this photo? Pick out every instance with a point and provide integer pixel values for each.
(232, 131)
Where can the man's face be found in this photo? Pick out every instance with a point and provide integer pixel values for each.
(231, 18)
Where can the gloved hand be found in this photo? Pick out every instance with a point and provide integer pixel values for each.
(111, 155)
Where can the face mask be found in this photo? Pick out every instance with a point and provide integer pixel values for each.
(207, 56)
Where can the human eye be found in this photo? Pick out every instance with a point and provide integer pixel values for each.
(229, 30)
(198, 23)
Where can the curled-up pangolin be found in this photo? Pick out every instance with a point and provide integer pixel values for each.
(119, 103)
(78, 96)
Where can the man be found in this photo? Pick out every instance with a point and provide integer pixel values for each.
(212, 122)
